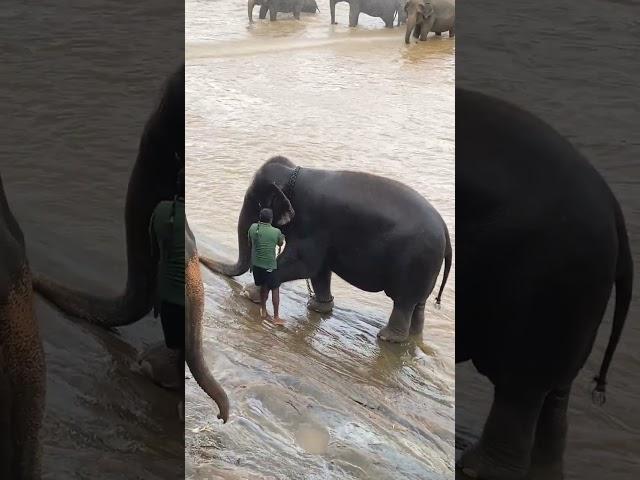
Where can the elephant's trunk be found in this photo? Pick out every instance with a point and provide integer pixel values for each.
(194, 292)
(244, 253)
(332, 7)
(250, 5)
(411, 24)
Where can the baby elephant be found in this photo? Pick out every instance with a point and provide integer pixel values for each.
(282, 6)
(424, 16)
(22, 367)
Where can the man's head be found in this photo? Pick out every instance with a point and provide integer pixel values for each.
(266, 215)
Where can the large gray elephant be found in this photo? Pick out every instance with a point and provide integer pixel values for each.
(375, 233)
(154, 178)
(387, 10)
(22, 366)
(541, 244)
(273, 7)
(424, 16)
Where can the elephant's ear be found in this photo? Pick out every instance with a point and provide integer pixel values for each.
(283, 212)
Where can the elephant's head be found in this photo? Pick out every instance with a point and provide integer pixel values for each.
(417, 11)
(267, 190)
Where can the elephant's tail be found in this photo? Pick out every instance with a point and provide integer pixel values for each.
(624, 283)
(448, 253)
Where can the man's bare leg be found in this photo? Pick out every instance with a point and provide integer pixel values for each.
(264, 295)
(275, 298)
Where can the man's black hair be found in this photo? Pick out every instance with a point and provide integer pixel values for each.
(266, 215)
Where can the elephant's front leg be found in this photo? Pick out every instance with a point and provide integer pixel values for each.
(354, 14)
(504, 449)
(322, 301)
(263, 11)
(551, 437)
(397, 329)
(273, 11)
(426, 28)
(297, 8)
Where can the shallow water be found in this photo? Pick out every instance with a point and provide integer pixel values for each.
(585, 95)
(321, 397)
(65, 173)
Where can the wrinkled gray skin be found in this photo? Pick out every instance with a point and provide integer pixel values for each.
(22, 367)
(424, 16)
(194, 291)
(387, 10)
(273, 7)
(542, 243)
(375, 233)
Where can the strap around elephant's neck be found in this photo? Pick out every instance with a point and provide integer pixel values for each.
(290, 187)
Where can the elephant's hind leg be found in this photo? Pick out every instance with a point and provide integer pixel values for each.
(417, 319)
(452, 32)
(322, 302)
(397, 329)
(504, 449)
(551, 437)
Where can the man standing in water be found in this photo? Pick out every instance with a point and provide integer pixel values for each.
(263, 238)
(166, 230)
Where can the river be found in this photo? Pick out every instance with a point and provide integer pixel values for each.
(320, 398)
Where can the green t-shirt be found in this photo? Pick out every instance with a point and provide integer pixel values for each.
(264, 239)
(168, 239)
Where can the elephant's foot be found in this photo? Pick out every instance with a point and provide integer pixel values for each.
(252, 292)
(387, 334)
(163, 366)
(476, 463)
(320, 306)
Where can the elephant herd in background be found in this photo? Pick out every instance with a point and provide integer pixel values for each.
(420, 16)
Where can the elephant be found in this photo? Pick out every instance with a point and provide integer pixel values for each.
(22, 365)
(542, 242)
(158, 167)
(194, 292)
(424, 16)
(387, 10)
(375, 233)
(281, 6)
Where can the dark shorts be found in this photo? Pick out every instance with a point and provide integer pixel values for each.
(172, 318)
(263, 278)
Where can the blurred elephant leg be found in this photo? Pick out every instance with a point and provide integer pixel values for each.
(452, 32)
(297, 8)
(504, 449)
(397, 329)
(322, 302)
(262, 14)
(551, 437)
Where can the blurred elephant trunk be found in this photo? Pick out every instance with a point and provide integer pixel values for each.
(193, 325)
(250, 6)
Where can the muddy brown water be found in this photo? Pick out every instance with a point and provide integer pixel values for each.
(67, 153)
(320, 398)
(577, 68)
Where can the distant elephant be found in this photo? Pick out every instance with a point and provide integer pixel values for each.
(194, 292)
(541, 244)
(375, 233)
(387, 10)
(424, 16)
(281, 6)
(22, 366)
